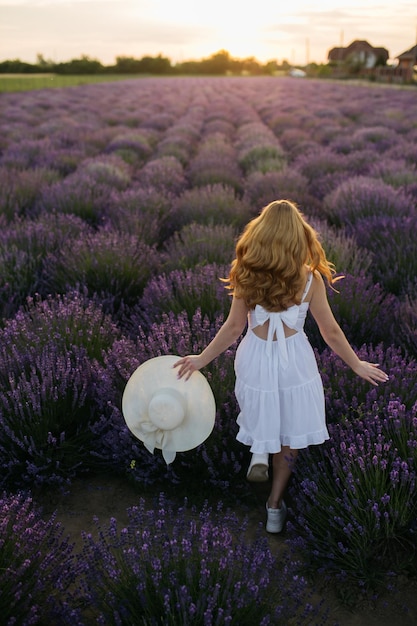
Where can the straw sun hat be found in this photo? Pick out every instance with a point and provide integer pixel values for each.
(165, 412)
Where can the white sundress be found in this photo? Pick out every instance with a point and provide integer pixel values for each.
(278, 386)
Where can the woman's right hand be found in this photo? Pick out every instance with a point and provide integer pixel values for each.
(188, 364)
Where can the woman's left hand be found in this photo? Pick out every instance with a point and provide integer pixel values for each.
(371, 373)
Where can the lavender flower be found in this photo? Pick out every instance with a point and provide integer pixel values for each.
(37, 566)
(362, 197)
(198, 244)
(342, 249)
(359, 497)
(72, 319)
(392, 243)
(215, 162)
(78, 194)
(379, 138)
(137, 142)
(407, 326)
(187, 290)
(258, 149)
(51, 153)
(109, 170)
(165, 174)
(45, 413)
(210, 205)
(144, 212)
(395, 172)
(187, 566)
(325, 170)
(348, 396)
(20, 190)
(113, 266)
(364, 311)
(261, 189)
(24, 247)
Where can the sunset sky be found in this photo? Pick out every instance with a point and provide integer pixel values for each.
(181, 30)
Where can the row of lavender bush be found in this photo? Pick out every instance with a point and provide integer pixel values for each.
(170, 565)
(119, 208)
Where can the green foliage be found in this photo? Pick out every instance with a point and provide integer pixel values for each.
(21, 189)
(199, 244)
(145, 65)
(263, 158)
(45, 73)
(84, 65)
(30, 82)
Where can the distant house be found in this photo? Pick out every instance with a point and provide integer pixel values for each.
(359, 52)
(407, 60)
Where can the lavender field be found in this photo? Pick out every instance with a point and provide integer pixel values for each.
(119, 207)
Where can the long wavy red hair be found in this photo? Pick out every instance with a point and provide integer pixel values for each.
(271, 256)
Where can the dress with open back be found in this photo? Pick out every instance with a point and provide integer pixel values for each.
(278, 386)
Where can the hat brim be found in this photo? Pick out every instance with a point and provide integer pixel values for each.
(158, 373)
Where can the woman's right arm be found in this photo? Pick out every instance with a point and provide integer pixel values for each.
(335, 337)
(228, 334)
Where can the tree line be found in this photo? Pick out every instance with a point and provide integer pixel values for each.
(220, 63)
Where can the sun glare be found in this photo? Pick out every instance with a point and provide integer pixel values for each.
(241, 42)
(225, 24)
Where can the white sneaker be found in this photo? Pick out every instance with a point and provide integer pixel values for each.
(275, 518)
(258, 468)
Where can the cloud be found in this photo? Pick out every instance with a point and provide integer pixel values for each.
(64, 30)
(379, 24)
(34, 4)
(104, 29)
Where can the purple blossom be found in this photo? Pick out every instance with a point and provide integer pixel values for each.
(258, 149)
(363, 310)
(21, 191)
(362, 197)
(199, 244)
(391, 241)
(46, 412)
(215, 162)
(78, 194)
(37, 566)
(113, 266)
(263, 188)
(164, 174)
(365, 475)
(188, 585)
(145, 212)
(211, 205)
(186, 290)
(324, 169)
(137, 142)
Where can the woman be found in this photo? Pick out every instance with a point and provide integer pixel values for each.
(276, 277)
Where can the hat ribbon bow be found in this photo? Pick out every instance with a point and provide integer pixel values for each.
(153, 437)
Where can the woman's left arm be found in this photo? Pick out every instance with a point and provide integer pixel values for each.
(226, 336)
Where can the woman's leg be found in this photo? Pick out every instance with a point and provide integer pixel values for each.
(282, 466)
